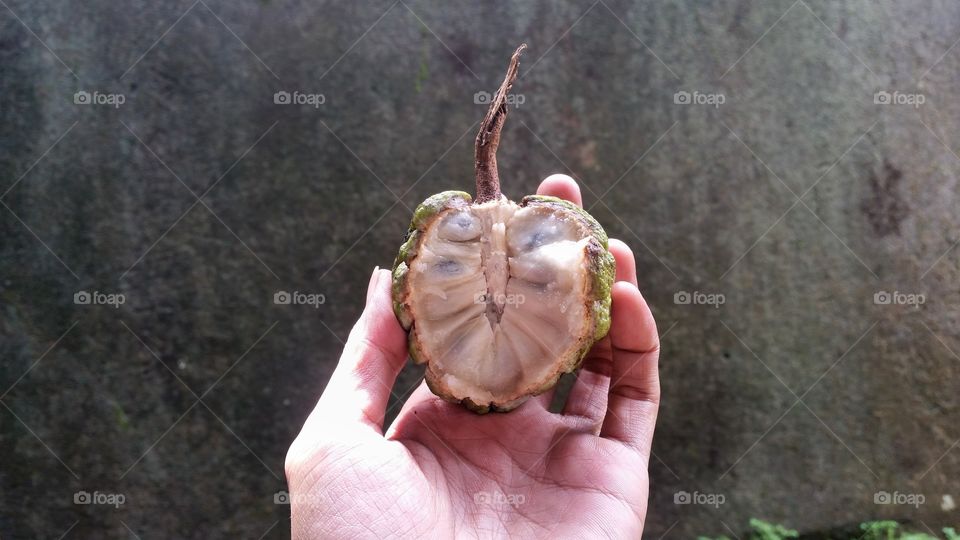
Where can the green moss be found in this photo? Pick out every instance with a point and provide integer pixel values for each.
(121, 417)
(891, 530)
(762, 530)
(424, 72)
(868, 530)
(769, 531)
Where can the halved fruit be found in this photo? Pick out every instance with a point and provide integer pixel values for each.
(501, 298)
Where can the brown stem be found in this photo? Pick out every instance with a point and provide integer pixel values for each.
(485, 156)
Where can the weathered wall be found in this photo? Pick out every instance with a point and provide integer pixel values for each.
(797, 399)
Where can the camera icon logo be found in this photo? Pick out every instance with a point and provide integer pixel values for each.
(282, 298)
(281, 497)
(482, 98)
(681, 497)
(882, 298)
(82, 298)
(81, 98)
(681, 298)
(81, 497)
(281, 98)
(682, 98)
(882, 497)
(881, 98)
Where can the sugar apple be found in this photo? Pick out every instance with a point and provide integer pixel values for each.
(500, 298)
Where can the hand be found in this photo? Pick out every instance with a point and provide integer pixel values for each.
(443, 471)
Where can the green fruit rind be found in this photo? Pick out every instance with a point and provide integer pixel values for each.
(408, 249)
(435, 204)
(400, 308)
(604, 270)
(592, 224)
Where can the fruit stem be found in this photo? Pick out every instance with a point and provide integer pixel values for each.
(485, 155)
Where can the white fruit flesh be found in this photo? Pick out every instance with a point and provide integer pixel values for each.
(500, 299)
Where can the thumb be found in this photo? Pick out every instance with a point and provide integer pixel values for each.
(375, 352)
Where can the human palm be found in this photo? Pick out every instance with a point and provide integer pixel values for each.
(442, 471)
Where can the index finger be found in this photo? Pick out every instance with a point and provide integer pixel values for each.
(561, 186)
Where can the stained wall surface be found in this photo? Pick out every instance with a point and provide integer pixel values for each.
(786, 166)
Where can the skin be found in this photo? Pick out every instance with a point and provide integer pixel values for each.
(442, 471)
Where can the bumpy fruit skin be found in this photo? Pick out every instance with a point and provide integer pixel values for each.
(602, 269)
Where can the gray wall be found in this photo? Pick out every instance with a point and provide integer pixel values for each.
(797, 399)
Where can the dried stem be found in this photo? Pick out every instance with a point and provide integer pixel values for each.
(485, 156)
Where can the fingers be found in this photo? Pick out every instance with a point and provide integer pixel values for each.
(626, 265)
(588, 397)
(417, 398)
(561, 186)
(635, 382)
(372, 358)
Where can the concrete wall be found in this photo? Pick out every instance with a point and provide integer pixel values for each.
(797, 199)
